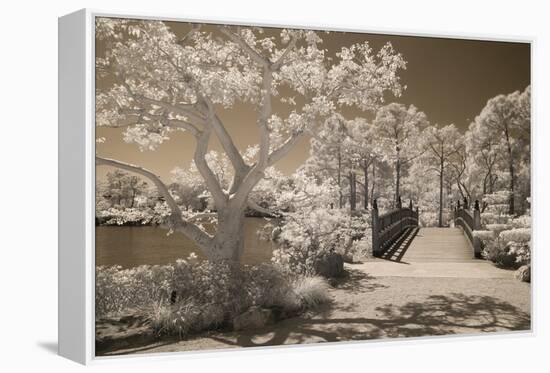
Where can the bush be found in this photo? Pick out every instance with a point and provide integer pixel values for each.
(518, 241)
(484, 236)
(269, 287)
(306, 236)
(496, 208)
(429, 219)
(144, 215)
(508, 248)
(497, 228)
(509, 242)
(501, 256)
(118, 289)
(360, 248)
(312, 291)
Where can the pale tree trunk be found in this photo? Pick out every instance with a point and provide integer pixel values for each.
(511, 170)
(366, 185)
(397, 179)
(397, 173)
(373, 187)
(228, 243)
(352, 191)
(441, 170)
(339, 179)
(133, 200)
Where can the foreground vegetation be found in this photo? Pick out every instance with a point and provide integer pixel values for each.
(191, 295)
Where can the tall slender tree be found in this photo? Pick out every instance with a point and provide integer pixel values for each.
(506, 117)
(441, 143)
(398, 128)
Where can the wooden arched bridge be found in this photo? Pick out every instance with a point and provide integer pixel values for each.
(396, 236)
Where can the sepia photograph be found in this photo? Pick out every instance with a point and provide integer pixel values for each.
(263, 186)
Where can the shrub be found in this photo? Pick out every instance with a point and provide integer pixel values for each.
(308, 235)
(497, 228)
(429, 219)
(312, 291)
(360, 248)
(520, 235)
(496, 210)
(509, 242)
(499, 255)
(523, 221)
(167, 319)
(120, 289)
(506, 248)
(485, 236)
(217, 283)
(268, 286)
(143, 215)
(518, 241)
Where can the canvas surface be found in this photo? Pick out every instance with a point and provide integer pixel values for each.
(264, 186)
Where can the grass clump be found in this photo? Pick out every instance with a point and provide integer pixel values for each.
(311, 291)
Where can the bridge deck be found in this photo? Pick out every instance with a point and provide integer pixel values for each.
(432, 252)
(439, 245)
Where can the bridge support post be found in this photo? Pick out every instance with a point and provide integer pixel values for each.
(477, 216)
(477, 227)
(375, 229)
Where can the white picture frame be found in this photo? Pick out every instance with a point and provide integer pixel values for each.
(76, 41)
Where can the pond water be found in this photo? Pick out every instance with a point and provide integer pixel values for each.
(133, 246)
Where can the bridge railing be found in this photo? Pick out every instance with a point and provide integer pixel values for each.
(388, 227)
(469, 221)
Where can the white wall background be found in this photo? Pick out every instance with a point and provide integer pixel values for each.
(28, 187)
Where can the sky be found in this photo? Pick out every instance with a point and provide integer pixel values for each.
(448, 79)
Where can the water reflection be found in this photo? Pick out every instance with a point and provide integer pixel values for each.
(133, 246)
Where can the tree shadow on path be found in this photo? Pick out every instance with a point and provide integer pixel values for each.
(356, 281)
(437, 315)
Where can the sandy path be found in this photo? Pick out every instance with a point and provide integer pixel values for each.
(388, 305)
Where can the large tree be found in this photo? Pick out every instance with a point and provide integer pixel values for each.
(485, 158)
(398, 128)
(361, 144)
(328, 156)
(163, 83)
(442, 143)
(507, 118)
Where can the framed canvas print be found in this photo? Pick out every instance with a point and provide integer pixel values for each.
(233, 185)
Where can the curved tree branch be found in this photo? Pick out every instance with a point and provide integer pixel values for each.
(201, 238)
(255, 55)
(254, 206)
(174, 123)
(282, 150)
(280, 61)
(162, 188)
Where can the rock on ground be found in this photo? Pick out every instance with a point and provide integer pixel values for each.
(330, 265)
(524, 273)
(254, 318)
